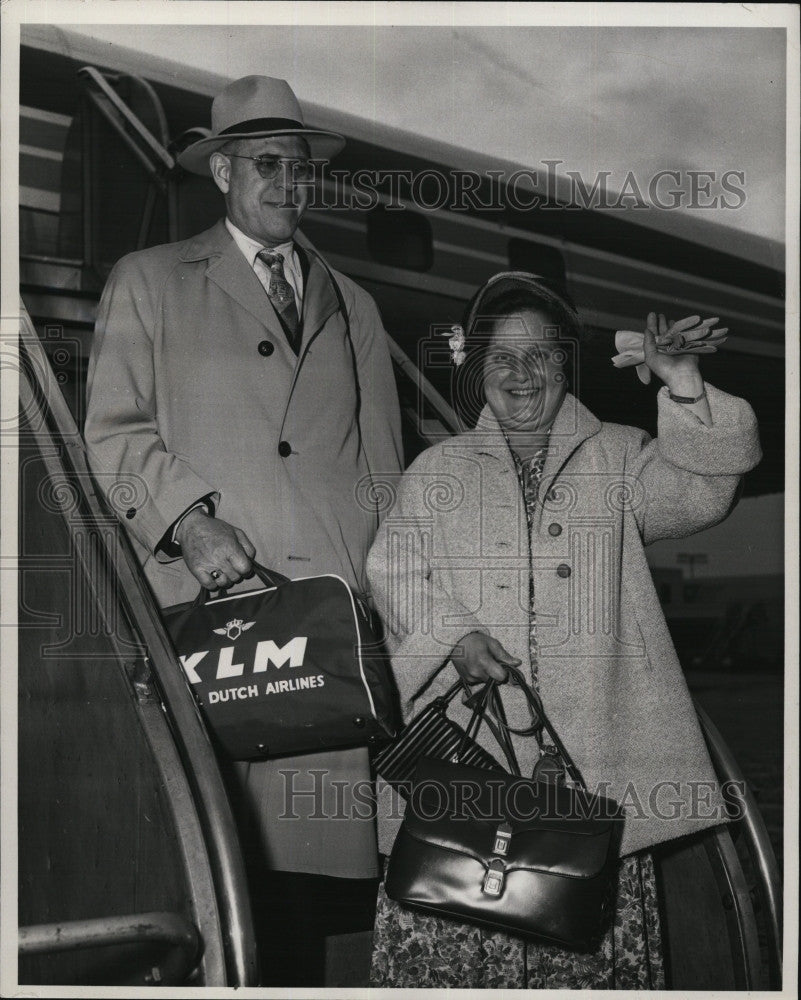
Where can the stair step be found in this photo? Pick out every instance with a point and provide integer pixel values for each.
(50, 271)
(59, 306)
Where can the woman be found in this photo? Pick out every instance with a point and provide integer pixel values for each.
(522, 542)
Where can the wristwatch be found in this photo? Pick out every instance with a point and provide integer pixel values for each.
(687, 399)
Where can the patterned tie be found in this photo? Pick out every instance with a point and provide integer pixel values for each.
(282, 296)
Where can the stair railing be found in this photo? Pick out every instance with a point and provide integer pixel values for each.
(190, 735)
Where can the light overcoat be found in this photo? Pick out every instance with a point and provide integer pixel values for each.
(194, 390)
(453, 557)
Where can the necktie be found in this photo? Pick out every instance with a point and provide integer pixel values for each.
(282, 296)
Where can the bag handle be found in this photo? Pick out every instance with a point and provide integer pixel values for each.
(536, 706)
(488, 709)
(480, 700)
(269, 577)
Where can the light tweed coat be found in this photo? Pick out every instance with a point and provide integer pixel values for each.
(452, 557)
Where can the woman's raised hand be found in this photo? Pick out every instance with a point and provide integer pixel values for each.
(685, 338)
(679, 372)
(478, 657)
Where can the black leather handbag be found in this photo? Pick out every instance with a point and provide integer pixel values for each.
(533, 858)
(291, 667)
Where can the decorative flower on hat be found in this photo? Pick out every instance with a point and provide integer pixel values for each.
(456, 342)
(690, 335)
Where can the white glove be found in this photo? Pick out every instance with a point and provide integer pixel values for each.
(691, 335)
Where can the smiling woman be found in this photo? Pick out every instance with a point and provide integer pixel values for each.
(525, 364)
(520, 356)
(541, 565)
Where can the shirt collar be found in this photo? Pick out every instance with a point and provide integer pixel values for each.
(250, 247)
(538, 458)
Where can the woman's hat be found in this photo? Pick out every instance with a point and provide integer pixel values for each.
(251, 108)
(551, 293)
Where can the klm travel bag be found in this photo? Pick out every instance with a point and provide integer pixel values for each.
(533, 858)
(294, 666)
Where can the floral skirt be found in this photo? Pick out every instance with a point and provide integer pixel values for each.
(413, 949)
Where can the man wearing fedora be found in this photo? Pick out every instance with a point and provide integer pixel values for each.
(238, 391)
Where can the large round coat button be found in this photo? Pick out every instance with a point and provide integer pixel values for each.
(554, 529)
(285, 449)
(266, 348)
(563, 570)
(130, 513)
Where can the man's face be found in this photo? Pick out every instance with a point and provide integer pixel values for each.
(266, 209)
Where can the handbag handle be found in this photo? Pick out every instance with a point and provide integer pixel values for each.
(480, 702)
(488, 709)
(536, 707)
(268, 577)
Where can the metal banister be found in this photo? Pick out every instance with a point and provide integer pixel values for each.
(150, 151)
(160, 928)
(442, 408)
(196, 752)
(757, 839)
(93, 76)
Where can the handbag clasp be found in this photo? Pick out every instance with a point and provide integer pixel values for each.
(503, 836)
(494, 879)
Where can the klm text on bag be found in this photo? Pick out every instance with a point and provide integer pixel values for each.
(284, 669)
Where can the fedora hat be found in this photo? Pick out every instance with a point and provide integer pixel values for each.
(251, 108)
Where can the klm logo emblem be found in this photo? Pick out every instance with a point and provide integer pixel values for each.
(234, 628)
(267, 652)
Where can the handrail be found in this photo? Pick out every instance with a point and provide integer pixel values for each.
(150, 168)
(97, 78)
(431, 395)
(191, 738)
(756, 834)
(157, 161)
(155, 927)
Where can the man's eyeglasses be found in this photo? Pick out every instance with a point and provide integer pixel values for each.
(269, 167)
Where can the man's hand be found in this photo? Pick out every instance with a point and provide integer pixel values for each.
(210, 545)
(479, 657)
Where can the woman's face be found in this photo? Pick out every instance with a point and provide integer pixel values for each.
(524, 376)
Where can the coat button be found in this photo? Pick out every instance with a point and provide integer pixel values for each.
(554, 529)
(130, 513)
(266, 348)
(285, 449)
(563, 570)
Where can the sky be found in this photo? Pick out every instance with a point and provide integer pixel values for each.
(614, 99)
